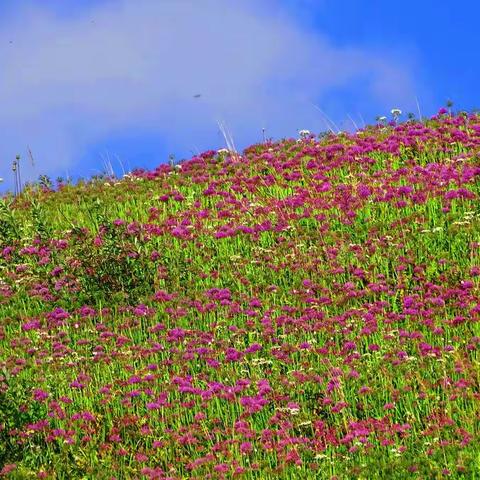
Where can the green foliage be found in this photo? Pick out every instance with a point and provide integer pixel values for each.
(40, 224)
(16, 412)
(112, 265)
(9, 231)
(45, 181)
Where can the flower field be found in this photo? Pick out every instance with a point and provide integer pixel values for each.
(306, 309)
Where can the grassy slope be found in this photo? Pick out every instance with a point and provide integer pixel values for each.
(305, 307)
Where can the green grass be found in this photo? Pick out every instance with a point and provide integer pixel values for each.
(338, 292)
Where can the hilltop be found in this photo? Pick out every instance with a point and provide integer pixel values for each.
(308, 308)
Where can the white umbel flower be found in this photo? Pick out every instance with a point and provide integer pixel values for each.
(304, 133)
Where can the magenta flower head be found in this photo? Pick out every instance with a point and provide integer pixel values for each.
(246, 447)
(39, 395)
(363, 390)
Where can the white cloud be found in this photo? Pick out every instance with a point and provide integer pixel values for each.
(67, 82)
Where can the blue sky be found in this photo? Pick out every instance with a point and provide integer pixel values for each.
(85, 82)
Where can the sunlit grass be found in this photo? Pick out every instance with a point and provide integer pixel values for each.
(306, 309)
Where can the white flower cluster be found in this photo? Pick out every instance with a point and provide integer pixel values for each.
(223, 151)
(304, 133)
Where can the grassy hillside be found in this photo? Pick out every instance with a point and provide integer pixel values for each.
(308, 309)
